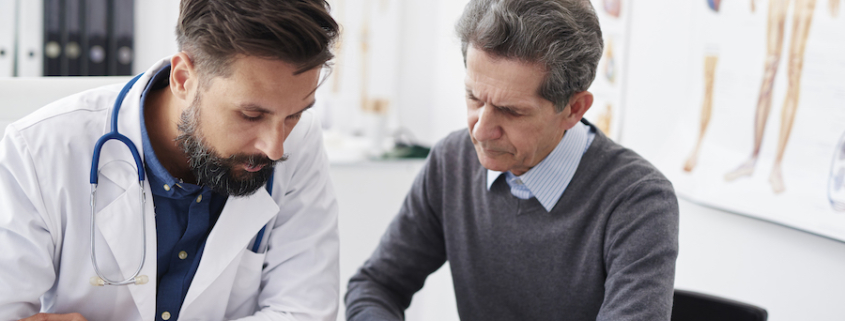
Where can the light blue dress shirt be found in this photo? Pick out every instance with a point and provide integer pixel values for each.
(548, 180)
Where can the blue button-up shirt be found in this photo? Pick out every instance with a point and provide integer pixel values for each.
(548, 180)
(185, 214)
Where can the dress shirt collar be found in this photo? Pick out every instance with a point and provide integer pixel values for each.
(161, 182)
(552, 175)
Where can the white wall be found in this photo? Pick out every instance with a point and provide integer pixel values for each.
(792, 274)
(431, 81)
(155, 31)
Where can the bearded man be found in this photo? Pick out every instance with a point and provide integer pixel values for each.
(234, 216)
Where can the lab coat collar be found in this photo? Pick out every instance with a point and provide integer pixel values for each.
(129, 118)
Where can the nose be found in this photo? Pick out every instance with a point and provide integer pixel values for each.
(486, 126)
(272, 141)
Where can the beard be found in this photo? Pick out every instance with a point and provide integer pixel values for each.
(224, 175)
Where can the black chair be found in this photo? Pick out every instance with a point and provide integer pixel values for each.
(692, 306)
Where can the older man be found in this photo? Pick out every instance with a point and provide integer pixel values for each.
(540, 215)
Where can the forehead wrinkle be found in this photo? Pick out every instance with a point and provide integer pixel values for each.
(505, 79)
(503, 95)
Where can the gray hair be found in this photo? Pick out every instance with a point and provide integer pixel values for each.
(562, 35)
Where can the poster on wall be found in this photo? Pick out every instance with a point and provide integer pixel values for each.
(763, 133)
(609, 86)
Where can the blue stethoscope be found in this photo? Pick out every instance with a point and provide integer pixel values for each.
(136, 278)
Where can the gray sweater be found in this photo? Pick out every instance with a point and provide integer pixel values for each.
(606, 251)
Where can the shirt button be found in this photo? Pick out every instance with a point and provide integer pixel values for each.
(199, 198)
(518, 181)
(183, 255)
(167, 188)
(165, 315)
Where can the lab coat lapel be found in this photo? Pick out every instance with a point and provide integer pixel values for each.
(120, 224)
(240, 221)
(119, 221)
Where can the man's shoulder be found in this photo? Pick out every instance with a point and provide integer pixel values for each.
(455, 142)
(609, 161)
(62, 128)
(97, 100)
(453, 158)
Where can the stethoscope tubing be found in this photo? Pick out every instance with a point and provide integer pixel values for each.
(136, 278)
(114, 134)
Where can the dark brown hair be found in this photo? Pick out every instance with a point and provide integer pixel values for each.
(213, 32)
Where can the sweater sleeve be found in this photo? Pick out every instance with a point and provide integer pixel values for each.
(641, 246)
(411, 249)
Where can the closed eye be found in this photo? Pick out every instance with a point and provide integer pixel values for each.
(509, 111)
(252, 118)
(470, 96)
(296, 116)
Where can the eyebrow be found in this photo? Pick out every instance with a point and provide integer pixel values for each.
(256, 108)
(508, 107)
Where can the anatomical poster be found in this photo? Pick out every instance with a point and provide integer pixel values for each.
(763, 133)
(609, 87)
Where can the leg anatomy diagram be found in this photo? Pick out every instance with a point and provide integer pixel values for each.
(802, 19)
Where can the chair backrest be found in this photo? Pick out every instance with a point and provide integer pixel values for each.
(692, 306)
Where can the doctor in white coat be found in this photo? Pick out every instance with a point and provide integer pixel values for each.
(246, 94)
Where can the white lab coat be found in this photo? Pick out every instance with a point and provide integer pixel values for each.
(45, 260)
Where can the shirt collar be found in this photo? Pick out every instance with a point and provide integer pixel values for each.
(161, 182)
(552, 175)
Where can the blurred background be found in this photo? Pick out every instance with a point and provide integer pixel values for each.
(680, 82)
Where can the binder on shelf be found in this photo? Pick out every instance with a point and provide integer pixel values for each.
(53, 21)
(30, 38)
(7, 37)
(95, 41)
(72, 62)
(122, 52)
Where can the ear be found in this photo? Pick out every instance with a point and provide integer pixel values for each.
(579, 104)
(183, 77)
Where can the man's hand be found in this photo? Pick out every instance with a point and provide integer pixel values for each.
(56, 317)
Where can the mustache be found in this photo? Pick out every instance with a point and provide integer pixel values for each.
(216, 171)
(251, 160)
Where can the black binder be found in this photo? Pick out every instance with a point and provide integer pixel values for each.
(53, 21)
(96, 44)
(122, 45)
(72, 64)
